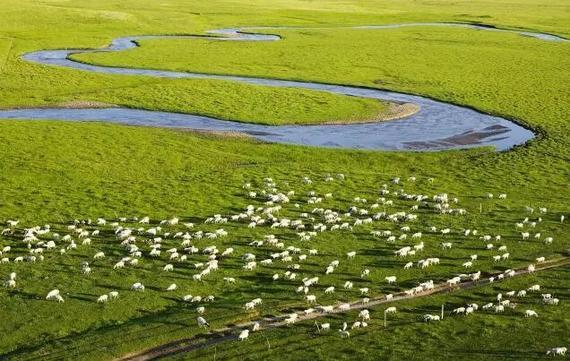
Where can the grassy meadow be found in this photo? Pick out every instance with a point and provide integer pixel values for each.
(55, 172)
(477, 337)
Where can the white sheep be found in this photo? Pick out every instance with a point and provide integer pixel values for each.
(324, 327)
(243, 335)
(557, 351)
(202, 322)
(138, 287)
(54, 295)
(172, 287)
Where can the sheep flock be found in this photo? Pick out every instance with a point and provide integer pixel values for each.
(323, 252)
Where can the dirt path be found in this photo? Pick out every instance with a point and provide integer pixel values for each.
(228, 333)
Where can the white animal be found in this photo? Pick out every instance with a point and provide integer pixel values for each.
(390, 279)
(202, 322)
(243, 335)
(324, 327)
(137, 287)
(429, 318)
(557, 351)
(54, 295)
(172, 287)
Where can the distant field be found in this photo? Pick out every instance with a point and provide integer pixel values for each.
(56, 172)
(437, 62)
(5, 46)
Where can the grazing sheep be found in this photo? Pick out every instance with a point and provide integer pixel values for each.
(343, 332)
(172, 287)
(430, 318)
(243, 335)
(202, 322)
(54, 295)
(552, 301)
(533, 288)
(292, 318)
(557, 351)
(138, 287)
(364, 314)
(323, 327)
(487, 306)
(459, 310)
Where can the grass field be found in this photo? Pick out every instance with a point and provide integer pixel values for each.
(55, 172)
(481, 337)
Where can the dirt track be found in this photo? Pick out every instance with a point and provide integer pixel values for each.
(228, 333)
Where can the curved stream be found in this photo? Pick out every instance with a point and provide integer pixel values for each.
(436, 126)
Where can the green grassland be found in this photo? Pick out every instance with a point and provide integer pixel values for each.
(468, 67)
(26, 85)
(54, 172)
(483, 336)
(142, 320)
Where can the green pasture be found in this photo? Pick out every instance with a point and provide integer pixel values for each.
(54, 172)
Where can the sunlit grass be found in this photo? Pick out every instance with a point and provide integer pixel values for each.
(54, 172)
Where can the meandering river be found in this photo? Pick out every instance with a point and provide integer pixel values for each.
(436, 126)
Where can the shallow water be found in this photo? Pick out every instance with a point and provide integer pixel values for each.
(436, 126)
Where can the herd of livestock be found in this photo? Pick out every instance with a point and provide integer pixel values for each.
(288, 225)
